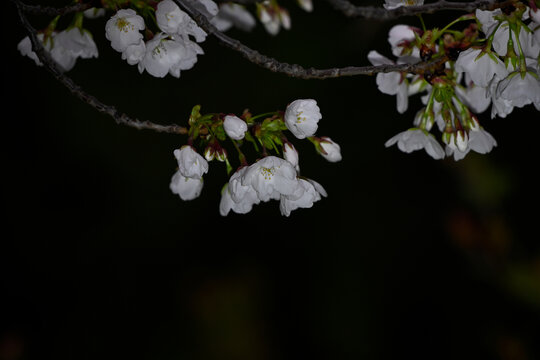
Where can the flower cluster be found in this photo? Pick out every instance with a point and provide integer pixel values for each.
(157, 36)
(274, 175)
(65, 46)
(173, 49)
(493, 61)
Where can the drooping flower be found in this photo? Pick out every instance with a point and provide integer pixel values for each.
(475, 97)
(480, 66)
(123, 28)
(417, 139)
(392, 83)
(304, 196)
(480, 140)
(232, 14)
(271, 177)
(234, 127)
(64, 47)
(301, 117)
(330, 150)
(269, 17)
(520, 88)
(186, 187)
(190, 163)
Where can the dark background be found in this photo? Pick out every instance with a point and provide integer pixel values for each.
(408, 257)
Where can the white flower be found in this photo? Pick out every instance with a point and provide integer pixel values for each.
(416, 139)
(185, 187)
(392, 83)
(169, 55)
(271, 177)
(206, 7)
(285, 18)
(64, 48)
(306, 5)
(456, 153)
(239, 192)
(134, 53)
(301, 117)
(481, 69)
(188, 58)
(330, 150)
(475, 97)
(535, 15)
(25, 48)
(190, 163)
(237, 197)
(234, 127)
(170, 17)
(399, 37)
(520, 89)
(480, 140)
(227, 204)
(393, 4)
(487, 20)
(269, 18)
(304, 196)
(500, 107)
(78, 42)
(291, 155)
(94, 13)
(123, 28)
(232, 14)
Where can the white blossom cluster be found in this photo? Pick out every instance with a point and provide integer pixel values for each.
(66, 46)
(271, 177)
(174, 48)
(500, 69)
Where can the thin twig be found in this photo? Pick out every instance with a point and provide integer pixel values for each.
(295, 70)
(54, 11)
(75, 89)
(380, 13)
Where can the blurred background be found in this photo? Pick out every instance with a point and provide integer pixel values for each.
(407, 257)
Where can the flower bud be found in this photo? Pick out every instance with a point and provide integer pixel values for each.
(209, 153)
(234, 127)
(285, 18)
(330, 150)
(448, 138)
(462, 140)
(221, 154)
(291, 155)
(306, 5)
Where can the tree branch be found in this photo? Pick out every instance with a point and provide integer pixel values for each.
(53, 11)
(380, 13)
(295, 70)
(75, 89)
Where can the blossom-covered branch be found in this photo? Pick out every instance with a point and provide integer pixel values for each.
(75, 89)
(380, 13)
(295, 70)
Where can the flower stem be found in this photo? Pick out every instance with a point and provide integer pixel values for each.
(264, 114)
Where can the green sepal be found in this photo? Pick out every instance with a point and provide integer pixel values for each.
(195, 114)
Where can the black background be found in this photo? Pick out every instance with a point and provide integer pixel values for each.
(407, 257)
